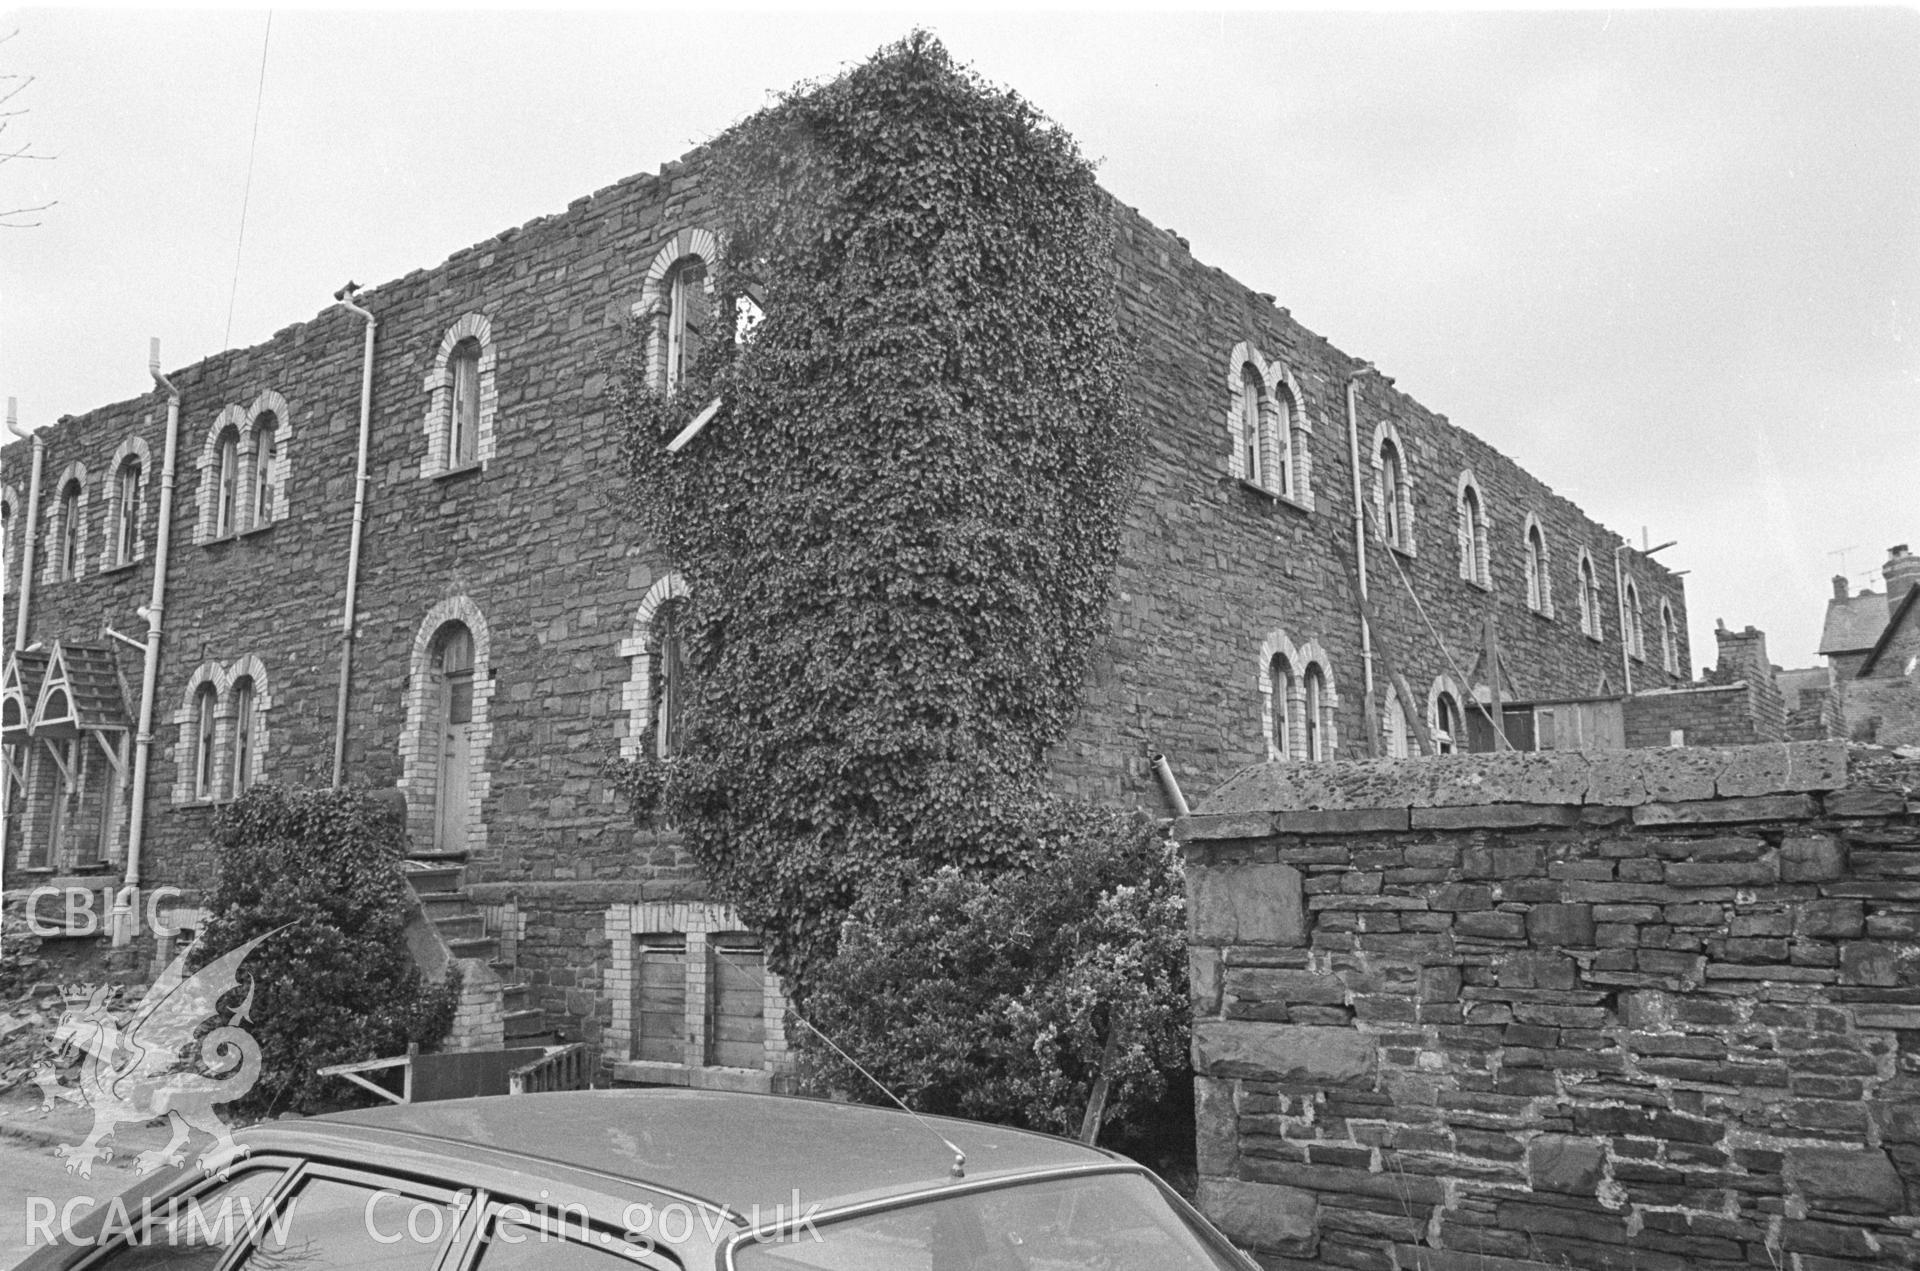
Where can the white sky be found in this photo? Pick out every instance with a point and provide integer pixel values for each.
(1669, 262)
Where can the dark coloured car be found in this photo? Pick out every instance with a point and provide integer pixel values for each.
(664, 1179)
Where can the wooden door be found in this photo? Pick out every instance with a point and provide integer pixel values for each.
(454, 712)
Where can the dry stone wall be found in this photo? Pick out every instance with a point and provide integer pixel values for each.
(1655, 1010)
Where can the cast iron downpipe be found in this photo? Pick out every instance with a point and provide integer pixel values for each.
(1360, 546)
(126, 902)
(30, 536)
(347, 614)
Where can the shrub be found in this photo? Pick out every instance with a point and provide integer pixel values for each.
(1009, 996)
(337, 985)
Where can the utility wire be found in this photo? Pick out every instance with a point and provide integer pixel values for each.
(246, 193)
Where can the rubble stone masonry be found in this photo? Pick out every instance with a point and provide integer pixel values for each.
(1651, 1009)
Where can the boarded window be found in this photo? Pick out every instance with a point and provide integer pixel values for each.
(660, 998)
(737, 1028)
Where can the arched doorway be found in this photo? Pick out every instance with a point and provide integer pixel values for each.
(453, 716)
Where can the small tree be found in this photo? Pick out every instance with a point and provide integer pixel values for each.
(337, 984)
(1051, 995)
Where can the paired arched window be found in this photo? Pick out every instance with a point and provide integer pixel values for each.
(1470, 528)
(221, 750)
(1539, 570)
(1268, 428)
(243, 469)
(461, 399)
(1669, 639)
(1631, 619)
(1297, 699)
(1589, 596)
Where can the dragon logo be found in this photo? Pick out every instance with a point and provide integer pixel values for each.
(162, 1061)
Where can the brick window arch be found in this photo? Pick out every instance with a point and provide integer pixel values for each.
(462, 399)
(676, 306)
(130, 477)
(1470, 531)
(1539, 562)
(1392, 490)
(651, 694)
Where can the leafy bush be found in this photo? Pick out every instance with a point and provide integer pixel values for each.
(337, 985)
(899, 530)
(1008, 996)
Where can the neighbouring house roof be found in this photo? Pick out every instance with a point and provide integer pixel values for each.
(1894, 623)
(1854, 624)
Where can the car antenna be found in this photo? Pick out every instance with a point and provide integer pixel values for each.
(959, 1169)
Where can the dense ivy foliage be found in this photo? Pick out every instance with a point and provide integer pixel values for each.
(1006, 997)
(337, 985)
(899, 530)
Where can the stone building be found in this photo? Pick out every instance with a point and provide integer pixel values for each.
(508, 629)
(1872, 645)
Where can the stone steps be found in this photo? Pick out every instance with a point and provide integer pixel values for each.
(439, 881)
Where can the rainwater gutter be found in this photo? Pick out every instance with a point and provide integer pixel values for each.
(126, 902)
(33, 521)
(347, 616)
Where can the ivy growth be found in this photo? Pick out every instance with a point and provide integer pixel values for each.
(899, 529)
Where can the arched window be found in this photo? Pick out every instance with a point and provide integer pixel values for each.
(1253, 425)
(1448, 734)
(1631, 618)
(1280, 676)
(1393, 729)
(1669, 639)
(689, 320)
(463, 419)
(126, 512)
(69, 544)
(1589, 597)
(1314, 714)
(1392, 491)
(265, 438)
(206, 707)
(226, 483)
(669, 686)
(1470, 527)
(244, 736)
(1539, 579)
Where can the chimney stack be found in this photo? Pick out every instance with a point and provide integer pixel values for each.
(1901, 571)
(1743, 654)
(1839, 586)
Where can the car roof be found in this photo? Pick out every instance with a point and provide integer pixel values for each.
(736, 1150)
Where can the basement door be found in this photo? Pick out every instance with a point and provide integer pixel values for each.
(453, 784)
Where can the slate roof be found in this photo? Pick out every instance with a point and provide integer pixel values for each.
(1854, 624)
(92, 681)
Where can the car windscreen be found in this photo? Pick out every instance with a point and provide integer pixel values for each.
(1093, 1222)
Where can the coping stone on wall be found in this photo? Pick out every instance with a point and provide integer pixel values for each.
(1620, 779)
(1287, 1053)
